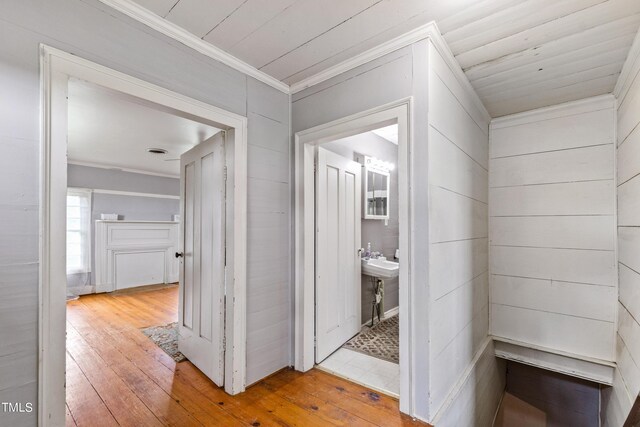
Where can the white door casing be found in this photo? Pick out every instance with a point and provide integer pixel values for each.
(202, 264)
(338, 267)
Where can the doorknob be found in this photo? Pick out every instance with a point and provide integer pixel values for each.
(360, 250)
(179, 254)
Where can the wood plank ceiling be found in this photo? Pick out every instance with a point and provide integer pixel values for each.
(518, 54)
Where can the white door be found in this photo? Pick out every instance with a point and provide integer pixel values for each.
(338, 266)
(202, 264)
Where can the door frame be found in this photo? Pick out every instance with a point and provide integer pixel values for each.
(56, 67)
(304, 317)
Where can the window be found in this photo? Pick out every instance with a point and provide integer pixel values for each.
(78, 230)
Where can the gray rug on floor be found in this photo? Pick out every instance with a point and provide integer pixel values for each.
(381, 341)
(166, 337)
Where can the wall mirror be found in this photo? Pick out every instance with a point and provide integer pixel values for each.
(376, 194)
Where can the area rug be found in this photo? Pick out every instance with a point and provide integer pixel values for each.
(166, 337)
(380, 341)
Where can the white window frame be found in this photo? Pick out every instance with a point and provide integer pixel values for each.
(85, 230)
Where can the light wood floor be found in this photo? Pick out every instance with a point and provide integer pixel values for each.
(117, 376)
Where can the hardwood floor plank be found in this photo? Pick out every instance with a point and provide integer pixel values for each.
(118, 376)
(68, 418)
(126, 407)
(205, 411)
(163, 406)
(83, 402)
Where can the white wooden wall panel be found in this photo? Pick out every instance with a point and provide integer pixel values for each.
(387, 79)
(580, 164)
(627, 366)
(132, 48)
(616, 402)
(628, 112)
(629, 203)
(558, 297)
(372, 79)
(458, 260)
(629, 292)
(573, 198)
(576, 232)
(562, 130)
(571, 265)
(471, 260)
(554, 331)
(552, 228)
(450, 118)
(457, 357)
(453, 311)
(269, 232)
(629, 334)
(468, 177)
(478, 397)
(629, 247)
(628, 153)
(464, 97)
(456, 217)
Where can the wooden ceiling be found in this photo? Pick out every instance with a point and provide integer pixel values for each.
(518, 54)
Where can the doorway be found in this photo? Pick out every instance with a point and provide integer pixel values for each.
(57, 69)
(307, 324)
(357, 259)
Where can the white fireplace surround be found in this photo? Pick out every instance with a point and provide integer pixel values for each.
(135, 253)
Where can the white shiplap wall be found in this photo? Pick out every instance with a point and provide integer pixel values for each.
(617, 401)
(466, 379)
(130, 47)
(552, 228)
(269, 313)
(397, 75)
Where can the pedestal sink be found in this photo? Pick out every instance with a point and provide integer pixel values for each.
(380, 267)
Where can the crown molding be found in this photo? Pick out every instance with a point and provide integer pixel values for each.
(172, 30)
(427, 31)
(630, 69)
(595, 103)
(417, 34)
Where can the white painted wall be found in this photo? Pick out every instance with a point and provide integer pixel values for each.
(94, 31)
(617, 400)
(450, 238)
(466, 380)
(128, 207)
(552, 228)
(392, 77)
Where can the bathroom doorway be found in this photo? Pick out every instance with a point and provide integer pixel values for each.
(313, 246)
(357, 259)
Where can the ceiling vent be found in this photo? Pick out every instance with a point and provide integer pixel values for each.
(156, 151)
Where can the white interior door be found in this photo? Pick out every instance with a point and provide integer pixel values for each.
(338, 266)
(202, 265)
